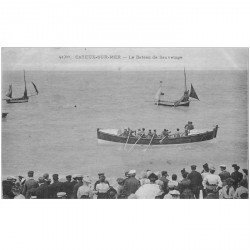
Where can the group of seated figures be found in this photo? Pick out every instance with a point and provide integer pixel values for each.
(164, 134)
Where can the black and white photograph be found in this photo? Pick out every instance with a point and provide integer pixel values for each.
(124, 123)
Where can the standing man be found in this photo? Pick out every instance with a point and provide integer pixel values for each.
(77, 185)
(68, 186)
(236, 175)
(131, 184)
(102, 187)
(55, 187)
(164, 175)
(42, 190)
(196, 181)
(224, 174)
(212, 183)
(30, 183)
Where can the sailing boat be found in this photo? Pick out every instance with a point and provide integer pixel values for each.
(25, 97)
(183, 101)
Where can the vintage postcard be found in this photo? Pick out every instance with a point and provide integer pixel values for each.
(125, 123)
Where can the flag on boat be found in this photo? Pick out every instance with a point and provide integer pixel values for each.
(193, 93)
(35, 88)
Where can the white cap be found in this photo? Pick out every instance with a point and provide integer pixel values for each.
(132, 172)
(174, 192)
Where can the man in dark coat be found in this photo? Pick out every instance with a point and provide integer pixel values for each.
(30, 183)
(224, 174)
(131, 184)
(7, 186)
(68, 186)
(164, 175)
(55, 187)
(236, 175)
(77, 185)
(42, 190)
(196, 181)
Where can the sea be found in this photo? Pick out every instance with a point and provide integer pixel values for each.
(56, 131)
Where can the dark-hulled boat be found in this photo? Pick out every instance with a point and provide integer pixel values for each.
(183, 101)
(24, 98)
(113, 135)
(4, 114)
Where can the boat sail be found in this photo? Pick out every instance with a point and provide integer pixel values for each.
(183, 101)
(25, 96)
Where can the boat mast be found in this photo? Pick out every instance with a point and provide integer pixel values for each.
(25, 89)
(185, 80)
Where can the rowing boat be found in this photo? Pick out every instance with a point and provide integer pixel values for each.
(113, 136)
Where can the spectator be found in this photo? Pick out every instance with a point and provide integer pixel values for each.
(68, 186)
(42, 191)
(196, 181)
(85, 191)
(227, 192)
(30, 183)
(102, 187)
(242, 190)
(77, 185)
(131, 184)
(7, 186)
(55, 187)
(185, 187)
(236, 175)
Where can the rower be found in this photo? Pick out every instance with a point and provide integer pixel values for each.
(154, 133)
(143, 132)
(191, 126)
(177, 133)
(150, 134)
(164, 133)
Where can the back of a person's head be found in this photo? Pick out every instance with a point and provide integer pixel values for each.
(30, 173)
(184, 174)
(193, 167)
(164, 173)
(174, 177)
(55, 177)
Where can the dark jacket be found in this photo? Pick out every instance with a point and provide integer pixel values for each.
(54, 188)
(131, 185)
(224, 175)
(7, 189)
(42, 192)
(165, 184)
(196, 180)
(68, 188)
(29, 184)
(237, 176)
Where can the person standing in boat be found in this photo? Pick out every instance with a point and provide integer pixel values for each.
(177, 133)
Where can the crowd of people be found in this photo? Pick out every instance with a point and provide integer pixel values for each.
(150, 185)
(164, 134)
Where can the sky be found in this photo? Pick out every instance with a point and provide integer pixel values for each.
(124, 58)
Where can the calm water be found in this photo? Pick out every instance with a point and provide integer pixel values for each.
(48, 134)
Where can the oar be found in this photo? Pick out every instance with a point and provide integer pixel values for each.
(134, 144)
(163, 138)
(149, 143)
(127, 140)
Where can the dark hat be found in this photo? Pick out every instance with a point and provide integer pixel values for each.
(164, 172)
(205, 165)
(41, 180)
(155, 130)
(193, 167)
(165, 129)
(120, 180)
(31, 172)
(153, 175)
(68, 177)
(235, 166)
(143, 128)
(55, 176)
(100, 174)
(183, 171)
